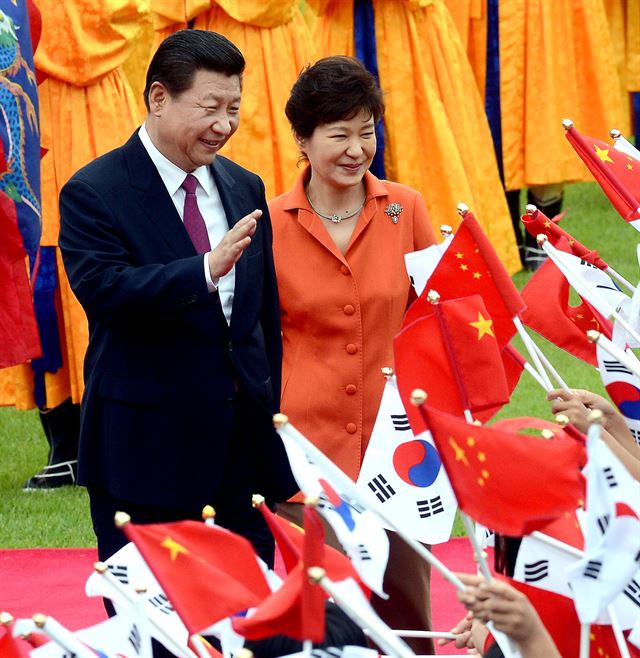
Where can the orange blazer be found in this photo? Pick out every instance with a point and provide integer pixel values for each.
(340, 312)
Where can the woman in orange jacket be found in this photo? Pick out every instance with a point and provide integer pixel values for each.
(340, 236)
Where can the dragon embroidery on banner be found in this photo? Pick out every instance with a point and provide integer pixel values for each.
(16, 106)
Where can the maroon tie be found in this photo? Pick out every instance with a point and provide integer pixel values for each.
(193, 220)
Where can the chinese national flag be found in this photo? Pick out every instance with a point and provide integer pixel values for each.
(453, 355)
(208, 573)
(558, 614)
(297, 608)
(512, 483)
(550, 314)
(617, 173)
(538, 223)
(470, 266)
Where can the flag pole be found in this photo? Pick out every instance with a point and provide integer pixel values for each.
(550, 368)
(528, 343)
(384, 638)
(129, 599)
(617, 632)
(286, 429)
(585, 640)
(62, 636)
(627, 359)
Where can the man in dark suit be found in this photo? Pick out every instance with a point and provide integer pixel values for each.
(167, 246)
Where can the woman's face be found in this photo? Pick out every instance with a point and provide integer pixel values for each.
(341, 152)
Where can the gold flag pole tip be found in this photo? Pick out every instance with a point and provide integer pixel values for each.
(121, 519)
(596, 416)
(418, 397)
(433, 296)
(462, 209)
(279, 421)
(541, 238)
(243, 652)
(257, 500)
(531, 209)
(567, 123)
(316, 574)
(39, 619)
(547, 433)
(445, 230)
(562, 419)
(6, 618)
(208, 512)
(593, 335)
(312, 501)
(615, 133)
(387, 372)
(100, 567)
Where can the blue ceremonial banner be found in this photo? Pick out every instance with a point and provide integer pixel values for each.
(19, 126)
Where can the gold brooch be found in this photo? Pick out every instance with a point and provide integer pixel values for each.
(394, 210)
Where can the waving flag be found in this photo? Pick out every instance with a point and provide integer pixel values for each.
(617, 173)
(207, 572)
(497, 475)
(404, 473)
(454, 356)
(550, 314)
(611, 530)
(421, 264)
(470, 266)
(357, 528)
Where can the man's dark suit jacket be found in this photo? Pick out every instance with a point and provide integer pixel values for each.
(163, 368)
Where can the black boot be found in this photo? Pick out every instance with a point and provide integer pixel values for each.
(533, 255)
(61, 426)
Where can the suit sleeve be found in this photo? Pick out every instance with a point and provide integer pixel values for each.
(102, 269)
(270, 313)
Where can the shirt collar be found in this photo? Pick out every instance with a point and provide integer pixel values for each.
(172, 176)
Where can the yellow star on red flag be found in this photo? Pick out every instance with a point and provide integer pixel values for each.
(483, 325)
(603, 154)
(174, 548)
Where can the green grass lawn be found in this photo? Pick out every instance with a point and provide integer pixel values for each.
(60, 517)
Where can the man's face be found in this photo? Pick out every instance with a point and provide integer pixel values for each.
(192, 127)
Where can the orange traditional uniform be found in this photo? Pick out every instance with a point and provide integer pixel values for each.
(341, 312)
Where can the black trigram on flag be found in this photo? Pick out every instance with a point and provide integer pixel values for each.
(612, 365)
(363, 552)
(400, 422)
(381, 488)
(329, 652)
(635, 434)
(135, 639)
(610, 477)
(68, 654)
(592, 569)
(535, 571)
(429, 506)
(603, 522)
(632, 592)
(162, 603)
(121, 572)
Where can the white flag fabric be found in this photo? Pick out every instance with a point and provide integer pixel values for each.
(624, 146)
(622, 385)
(124, 636)
(591, 283)
(545, 566)
(421, 264)
(405, 475)
(128, 566)
(357, 528)
(611, 532)
(348, 651)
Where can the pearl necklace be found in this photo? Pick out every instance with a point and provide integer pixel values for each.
(335, 218)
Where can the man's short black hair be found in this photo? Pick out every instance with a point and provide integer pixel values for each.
(183, 53)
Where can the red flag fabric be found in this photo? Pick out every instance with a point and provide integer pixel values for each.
(297, 608)
(453, 355)
(12, 647)
(550, 314)
(617, 173)
(19, 337)
(538, 223)
(208, 573)
(512, 483)
(470, 266)
(558, 614)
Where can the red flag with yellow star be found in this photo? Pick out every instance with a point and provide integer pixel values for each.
(617, 173)
(550, 314)
(470, 266)
(512, 483)
(453, 355)
(208, 573)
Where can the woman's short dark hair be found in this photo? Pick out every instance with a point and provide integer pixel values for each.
(334, 88)
(183, 53)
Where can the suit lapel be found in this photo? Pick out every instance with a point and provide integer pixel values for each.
(151, 195)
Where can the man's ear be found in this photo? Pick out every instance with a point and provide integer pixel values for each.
(158, 97)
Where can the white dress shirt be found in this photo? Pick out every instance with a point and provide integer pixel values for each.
(211, 209)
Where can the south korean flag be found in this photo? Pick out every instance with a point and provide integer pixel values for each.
(405, 475)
